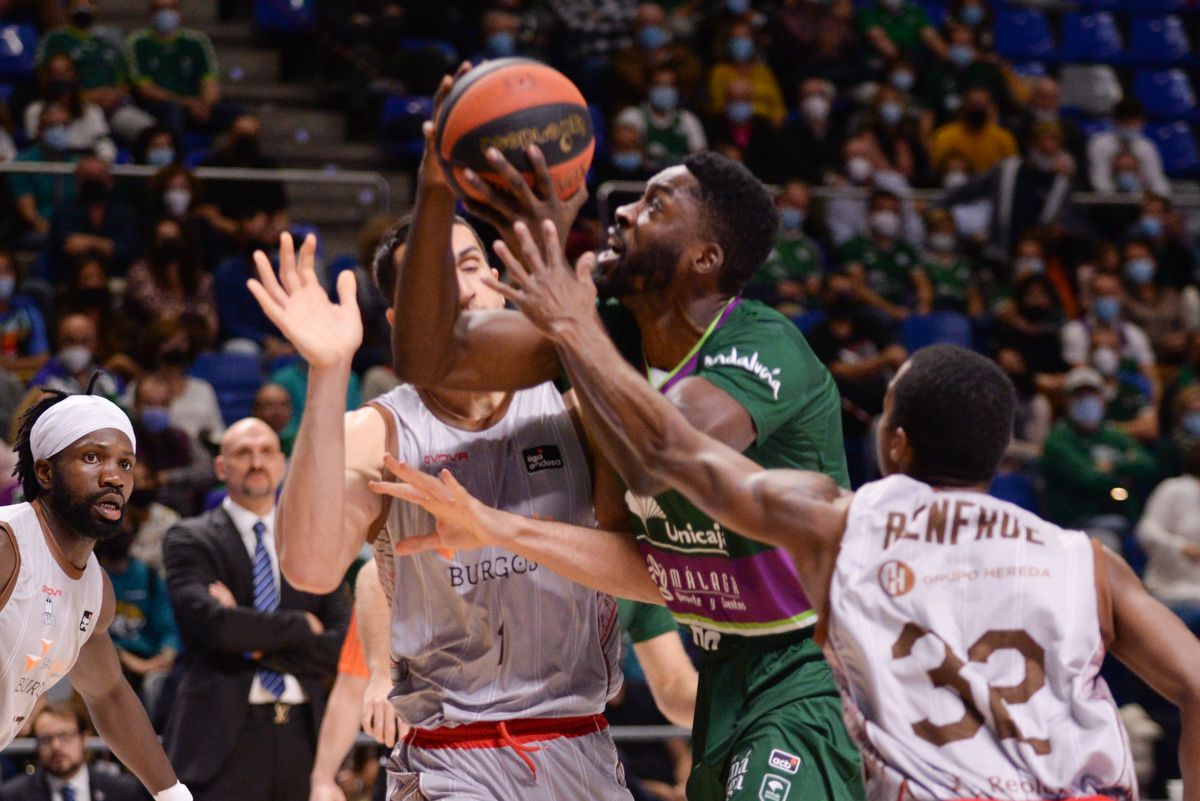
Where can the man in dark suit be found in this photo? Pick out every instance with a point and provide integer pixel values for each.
(259, 655)
(62, 774)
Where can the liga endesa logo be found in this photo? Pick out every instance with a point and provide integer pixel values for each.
(896, 578)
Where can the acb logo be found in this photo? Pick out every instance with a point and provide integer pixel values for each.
(896, 578)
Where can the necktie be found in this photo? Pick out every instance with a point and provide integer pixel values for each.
(266, 599)
(68, 793)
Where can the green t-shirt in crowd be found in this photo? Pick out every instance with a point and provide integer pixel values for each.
(179, 64)
(903, 28)
(889, 271)
(949, 280)
(98, 62)
(792, 259)
(1084, 471)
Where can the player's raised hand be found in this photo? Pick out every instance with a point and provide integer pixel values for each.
(547, 290)
(460, 518)
(431, 172)
(325, 333)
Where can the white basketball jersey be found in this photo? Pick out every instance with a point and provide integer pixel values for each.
(487, 635)
(48, 618)
(966, 636)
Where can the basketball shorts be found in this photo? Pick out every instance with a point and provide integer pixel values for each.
(769, 727)
(548, 759)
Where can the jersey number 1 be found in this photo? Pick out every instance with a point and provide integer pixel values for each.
(949, 675)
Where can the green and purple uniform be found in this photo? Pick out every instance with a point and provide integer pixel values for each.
(768, 718)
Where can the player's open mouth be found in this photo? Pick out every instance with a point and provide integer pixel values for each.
(611, 253)
(110, 508)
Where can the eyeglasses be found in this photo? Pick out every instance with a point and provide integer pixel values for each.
(47, 740)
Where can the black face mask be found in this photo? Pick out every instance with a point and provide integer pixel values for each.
(975, 117)
(245, 148)
(92, 191)
(175, 357)
(169, 250)
(842, 306)
(1036, 314)
(83, 18)
(94, 298)
(61, 88)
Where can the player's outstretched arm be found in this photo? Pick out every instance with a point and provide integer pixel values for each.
(1155, 644)
(379, 718)
(325, 510)
(117, 713)
(607, 561)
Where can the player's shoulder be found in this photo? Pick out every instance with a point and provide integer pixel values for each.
(754, 327)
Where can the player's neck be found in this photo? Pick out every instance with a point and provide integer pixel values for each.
(671, 327)
(75, 547)
(472, 411)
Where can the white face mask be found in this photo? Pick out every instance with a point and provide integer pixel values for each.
(75, 358)
(815, 108)
(859, 169)
(177, 200)
(885, 223)
(1106, 361)
(955, 179)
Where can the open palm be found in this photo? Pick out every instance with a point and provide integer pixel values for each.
(325, 333)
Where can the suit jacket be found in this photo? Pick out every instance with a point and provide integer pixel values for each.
(105, 787)
(212, 700)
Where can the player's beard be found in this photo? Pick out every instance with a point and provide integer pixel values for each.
(648, 267)
(80, 515)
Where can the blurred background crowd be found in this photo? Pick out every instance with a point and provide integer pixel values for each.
(1016, 177)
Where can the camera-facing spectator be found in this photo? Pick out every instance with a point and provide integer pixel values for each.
(74, 362)
(1045, 105)
(1105, 318)
(182, 469)
(1169, 530)
(94, 223)
(241, 318)
(816, 38)
(654, 48)
(1168, 315)
(24, 342)
(168, 348)
(170, 282)
(975, 135)
(38, 195)
(887, 267)
(1029, 323)
(740, 131)
(1162, 225)
(814, 137)
(949, 280)
(87, 127)
(1103, 147)
(671, 133)
(236, 200)
(739, 64)
(627, 159)
(273, 405)
(790, 279)
(897, 28)
(889, 135)
(88, 292)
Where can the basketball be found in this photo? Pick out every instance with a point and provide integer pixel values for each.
(509, 104)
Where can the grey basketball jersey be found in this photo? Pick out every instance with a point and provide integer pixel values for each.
(487, 635)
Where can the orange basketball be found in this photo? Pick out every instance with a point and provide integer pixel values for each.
(509, 104)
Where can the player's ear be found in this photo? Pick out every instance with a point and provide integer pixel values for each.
(219, 462)
(900, 450)
(42, 471)
(708, 258)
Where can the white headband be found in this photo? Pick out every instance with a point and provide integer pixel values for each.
(75, 417)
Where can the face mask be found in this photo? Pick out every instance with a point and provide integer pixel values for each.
(245, 148)
(175, 357)
(859, 169)
(177, 200)
(1139, 271)
(1191, 423)
(737, 7)
(83, 18)
(1128, 181)
(941, 242)
(155, 418)
(8, 285)
(971, 16)
(885, 223)
(1129, 133)
(1035, 265)
(891, 113)
(815, 107)
(75, 358)
(664, 98)
(501, 44)
(1106, 361)
(955, 179)
(741, 49)
(56, 138)
(1088, 411)
(165, 21)
(60, 88)
(791, 218)
(626, 160)
(901, 80)
(1107, 309)
(975, 118)
(1151, 227)
(169, 250)
(739, 111)
(961, 55)
(652, 37)
(160, 156)
(92, 191)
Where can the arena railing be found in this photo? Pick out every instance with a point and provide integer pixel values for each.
(325, 177)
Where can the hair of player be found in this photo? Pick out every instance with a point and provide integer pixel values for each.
(383, 266)
(739, 212)
(24, 471)
(956, 406)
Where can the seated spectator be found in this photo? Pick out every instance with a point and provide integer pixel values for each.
(945, 84)
(501, 35)
(635, 68)
(182, 469)
(670, 133)
(974, 14)
(1103, 146)
(790, 279)
(103, 69)
(897, 28)
(813, 139)
(24, 343)
(889, 136)
(742, 133)
(1030, 258)
(87, 127)
(814, 37)
(1045, 105)
(63, 773)
(143, 627)
(739, 63)
(175, 72)
(177, 193)
(1169, 530)
(157, 147)
(886, 267)
(1029, 326)
(627, 159)
(971, 219)
(1033, 418)
(94, 224)
(949, 282)
(1163, 225)
(87, 292)
(273, 405)
(167, 351)
(1128, 397)
(976, 135)
(1183, 434)
(37, 195)
(861, 352)
(1168, 315)
(240, 316)
(150, 519)
(235, 200)
(1104, 316)
(72, 366)
(1094, 469)
(169, 282)
(588, 35)
(294, 379)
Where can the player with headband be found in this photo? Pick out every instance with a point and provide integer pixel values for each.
(75, 458)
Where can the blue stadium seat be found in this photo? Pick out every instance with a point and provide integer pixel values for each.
(809, 320)
(18, 47)
(1015, 488)
(1167, 94)
(1177, 145)
(414, 44)
(400, 121)
(1030, 69)
(1159, 41)
(281, 16)
(919, 330)
(1094, 125)
(215, 497)
(1022, 34)
(1092, 37)
(301, 230)
(1137, 6)
(235, 377)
